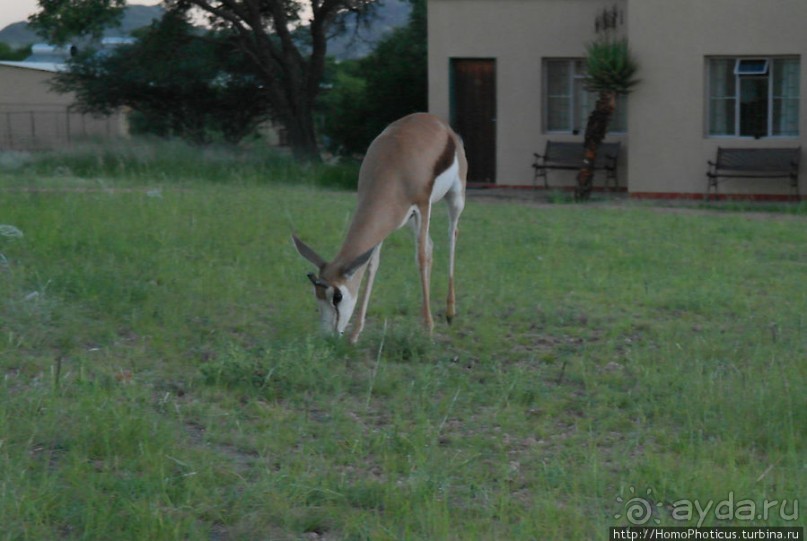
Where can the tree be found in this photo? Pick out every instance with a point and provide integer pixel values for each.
(181, 82)
(7, 52)
(59, 21)
(389, 83)
(289, 56)
(610, 71)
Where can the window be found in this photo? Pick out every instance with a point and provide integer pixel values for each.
(753, 97)
(567, 104)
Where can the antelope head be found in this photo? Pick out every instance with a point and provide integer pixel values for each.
(336, 286)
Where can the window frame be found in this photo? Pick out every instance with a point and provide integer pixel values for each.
(575, 78)
(763, 70)
(767, 71)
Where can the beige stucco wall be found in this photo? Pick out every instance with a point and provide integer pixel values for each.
(669, 145)
(23, 88)
(517, 34)
(32, 116)
(666, 147)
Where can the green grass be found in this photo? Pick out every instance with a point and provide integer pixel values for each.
(161, 377)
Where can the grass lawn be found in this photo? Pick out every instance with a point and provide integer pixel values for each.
(162, 379)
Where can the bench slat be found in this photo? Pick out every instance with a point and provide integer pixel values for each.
(757, 159)
(569, 156)
(770, 163)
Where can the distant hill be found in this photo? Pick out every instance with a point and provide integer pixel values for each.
(355, 42)
(134, 17)
(18, 35)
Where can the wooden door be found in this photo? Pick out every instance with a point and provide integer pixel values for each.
(473, 114)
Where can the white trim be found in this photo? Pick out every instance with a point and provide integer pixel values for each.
(768, 72)
(765, 70)
(51, 67)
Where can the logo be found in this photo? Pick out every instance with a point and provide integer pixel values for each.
(638, 510)
(644, 510)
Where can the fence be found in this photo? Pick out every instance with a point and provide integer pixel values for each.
(40, 130)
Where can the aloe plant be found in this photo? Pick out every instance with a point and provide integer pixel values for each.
(610, 71)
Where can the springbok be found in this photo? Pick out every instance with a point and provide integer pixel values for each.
(415, 162)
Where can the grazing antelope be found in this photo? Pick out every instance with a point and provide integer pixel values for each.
(415, 162)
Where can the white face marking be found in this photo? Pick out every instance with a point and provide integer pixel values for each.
(346, 308)
(335, 317)
(445, 181)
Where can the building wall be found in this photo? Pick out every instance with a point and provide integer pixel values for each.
(667, 116)
(666, 148)
(34, 117)
(518, 34)
(22, 88)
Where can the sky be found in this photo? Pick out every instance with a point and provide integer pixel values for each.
(12, 11)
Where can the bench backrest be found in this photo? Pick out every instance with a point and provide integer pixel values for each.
(562, 152)
(758, 159)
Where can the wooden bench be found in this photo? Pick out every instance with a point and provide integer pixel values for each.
(569, 156)
(754, 163)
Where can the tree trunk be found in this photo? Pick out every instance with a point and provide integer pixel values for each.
(596, 129)
(302, 135)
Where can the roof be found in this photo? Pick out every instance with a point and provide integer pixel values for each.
(53, 58)
(51, 67)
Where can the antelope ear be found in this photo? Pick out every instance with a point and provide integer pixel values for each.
(354, 265)
(307, 252)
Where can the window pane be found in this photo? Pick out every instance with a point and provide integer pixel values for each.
(786, 78)
(754, 106)
(568, 104)
(557, 76)
(557, 118)
(786, 97)
(722, 100)
(558, 96)
(721, 78)
(721, 117)
(619, 122)
(752, 66)
(584, 101)
(785, 117)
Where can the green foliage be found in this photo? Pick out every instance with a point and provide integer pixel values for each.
(59, 21)
(174, 162)
(370, 93)
(610, 67)
(285, 62)
(179, 83)
(8, 52)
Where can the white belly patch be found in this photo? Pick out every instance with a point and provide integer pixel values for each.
(445, 181)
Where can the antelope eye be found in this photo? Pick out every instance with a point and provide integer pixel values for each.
(337, 296)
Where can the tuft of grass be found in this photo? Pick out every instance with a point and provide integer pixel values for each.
(170, 163)
(162, 377)
(798, 208)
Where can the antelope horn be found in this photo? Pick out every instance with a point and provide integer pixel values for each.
(317, 281)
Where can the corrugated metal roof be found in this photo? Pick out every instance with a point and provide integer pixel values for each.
(51, 67)
(52, 58)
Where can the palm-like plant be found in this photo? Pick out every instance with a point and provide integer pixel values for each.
(610, 71)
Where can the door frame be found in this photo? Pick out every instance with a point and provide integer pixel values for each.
(452, 107)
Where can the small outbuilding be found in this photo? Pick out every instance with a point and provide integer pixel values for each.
(33, 116)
